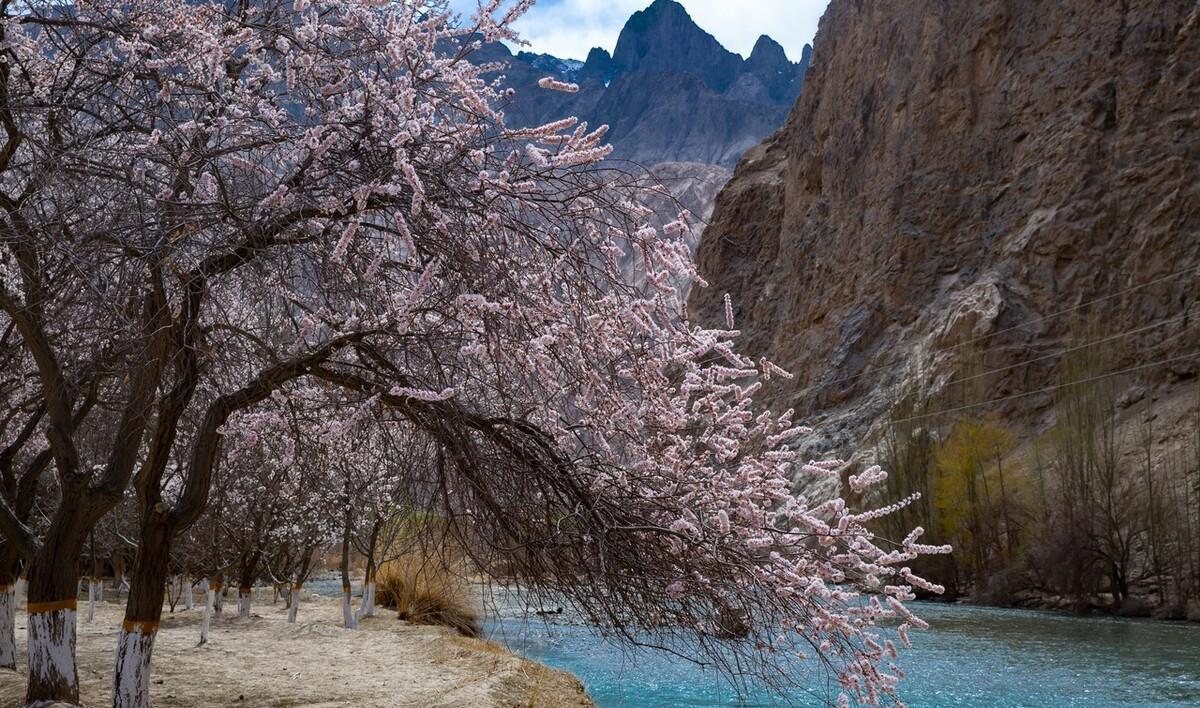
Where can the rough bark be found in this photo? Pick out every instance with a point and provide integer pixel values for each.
(53, 585)
(8, 627)
(348, 618)
(131, 681)
(143, 611)
(209, 600)
(51, 642)
(294, 608)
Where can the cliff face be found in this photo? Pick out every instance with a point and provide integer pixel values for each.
(669, 91)
(958, 169)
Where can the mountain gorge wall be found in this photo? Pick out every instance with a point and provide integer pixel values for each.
(963, 169)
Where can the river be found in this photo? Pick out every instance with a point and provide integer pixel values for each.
(971, 656)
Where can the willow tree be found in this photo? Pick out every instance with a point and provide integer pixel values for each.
(211, 205)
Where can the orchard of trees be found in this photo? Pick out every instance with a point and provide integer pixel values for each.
(275, 273)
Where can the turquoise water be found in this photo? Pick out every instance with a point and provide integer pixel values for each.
(972, 656)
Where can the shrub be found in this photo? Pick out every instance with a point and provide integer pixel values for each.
(426, 590)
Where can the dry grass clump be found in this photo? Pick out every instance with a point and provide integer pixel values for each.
(426, 590)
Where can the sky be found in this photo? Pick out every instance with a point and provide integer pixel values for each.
(569, 28)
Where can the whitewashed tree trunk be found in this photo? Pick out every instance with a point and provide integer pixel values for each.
(188, 602)
(100, 591)
(367, 607)
(294, 607)
(22, 589)
(245, 595)
(8, 627)
(131, 676)
(209, 601)
(219, 600)
(348, 610)
(51, 640)
(91, 613)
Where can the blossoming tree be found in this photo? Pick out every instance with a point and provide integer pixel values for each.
(210, 207)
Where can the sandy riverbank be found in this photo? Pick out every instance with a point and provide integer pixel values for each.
(263, 661)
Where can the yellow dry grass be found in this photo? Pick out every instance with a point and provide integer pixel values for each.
(426, 590)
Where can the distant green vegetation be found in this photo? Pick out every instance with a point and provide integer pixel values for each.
(1098, 511)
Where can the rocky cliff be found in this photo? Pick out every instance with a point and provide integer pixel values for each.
(669, 91)
(962, 171)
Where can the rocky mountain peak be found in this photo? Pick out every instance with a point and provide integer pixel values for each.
(663, 38)
(767, 55)
(599, 66)
(768, 63)
(669, 92)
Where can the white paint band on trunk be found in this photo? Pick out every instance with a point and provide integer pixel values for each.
(131, 677)
(51, 637)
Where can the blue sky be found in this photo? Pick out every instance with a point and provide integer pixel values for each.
(569, 28)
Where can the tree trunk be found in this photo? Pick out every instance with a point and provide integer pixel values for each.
(294, 607)
(131, 684)
(91, 612)
(8, 626)
(219, 597)
(53, 586)
(188, 602)
(209, 601)
(368, 601)
(131, 675)
(348, 609)
(174, 591)
(348, 618)
(51, 661)
(245, 596)
(347, 605)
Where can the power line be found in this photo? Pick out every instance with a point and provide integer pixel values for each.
(1087, 345)
(1043, 318)
(1076, 308)
(1048, 389)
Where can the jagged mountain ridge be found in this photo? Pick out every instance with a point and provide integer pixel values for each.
(669, 91)
(959, 169)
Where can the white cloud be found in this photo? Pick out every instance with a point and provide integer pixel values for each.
(569, 28)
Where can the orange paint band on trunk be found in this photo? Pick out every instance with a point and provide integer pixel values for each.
(245, 591)
(139, 626)
(345, 588)
(5, 588)
(298, 586)
(37, 608)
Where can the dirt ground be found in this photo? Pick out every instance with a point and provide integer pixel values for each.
(263, 661)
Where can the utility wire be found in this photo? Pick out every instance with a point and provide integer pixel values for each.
(1053, 355)
(1043, 318)
(1048, 389)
